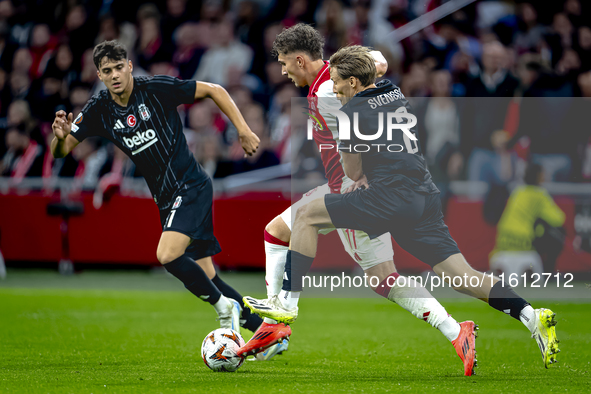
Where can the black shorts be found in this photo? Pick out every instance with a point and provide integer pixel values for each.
(191, 214)
(414, 220)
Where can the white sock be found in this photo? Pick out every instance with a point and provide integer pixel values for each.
(417, 300)
(276, 255)
(450, 328)
(269, 321)
(528, 317)
(289, 299)
(222, 305)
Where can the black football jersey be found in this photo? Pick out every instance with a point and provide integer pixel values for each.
(149, 130)
(389, 155)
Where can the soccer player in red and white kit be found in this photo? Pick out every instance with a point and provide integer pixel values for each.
(299, 51)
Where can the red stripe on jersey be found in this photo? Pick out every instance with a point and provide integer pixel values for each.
(330, 157)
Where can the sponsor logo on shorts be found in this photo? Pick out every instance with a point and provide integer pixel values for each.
(177, 202)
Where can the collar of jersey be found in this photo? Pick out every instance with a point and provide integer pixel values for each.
(131, 96)
(313, 87)
(381, 87)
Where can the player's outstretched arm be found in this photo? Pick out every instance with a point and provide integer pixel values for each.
(62, 142)
(381, 62)
(248, 139)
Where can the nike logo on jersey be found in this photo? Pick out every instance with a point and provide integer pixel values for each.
(141, 140)
(119, 125)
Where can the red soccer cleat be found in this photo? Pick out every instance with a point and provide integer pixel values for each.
(266, 336)
(465, 345)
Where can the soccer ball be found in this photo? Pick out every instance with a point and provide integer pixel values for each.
(220, 350)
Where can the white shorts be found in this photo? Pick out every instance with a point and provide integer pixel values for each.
(365, 251)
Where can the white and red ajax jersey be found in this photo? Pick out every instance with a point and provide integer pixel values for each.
(326, 133)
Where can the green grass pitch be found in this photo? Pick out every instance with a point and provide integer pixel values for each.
(111, 335)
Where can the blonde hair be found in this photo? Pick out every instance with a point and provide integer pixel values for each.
(355, 61)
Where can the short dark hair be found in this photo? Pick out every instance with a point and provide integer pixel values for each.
(113, 50)
(299, 38)
(355, 61)
(532, 174)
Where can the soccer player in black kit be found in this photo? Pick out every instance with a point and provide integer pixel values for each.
(139, 115)
(394, 193)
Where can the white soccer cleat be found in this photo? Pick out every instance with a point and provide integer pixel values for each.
(272, 351)
(231, 318)
(271, 308)
(545, 335)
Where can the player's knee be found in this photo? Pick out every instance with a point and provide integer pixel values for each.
(278, 228)
(303, 214)
(271, 227)
(166, 256)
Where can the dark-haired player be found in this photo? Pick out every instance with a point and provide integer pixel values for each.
(139, 115)
(394, 192)
(299, 51)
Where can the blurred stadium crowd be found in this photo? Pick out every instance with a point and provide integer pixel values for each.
(502, 51)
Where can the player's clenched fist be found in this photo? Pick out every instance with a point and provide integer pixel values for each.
(62, 125)
(250, 142)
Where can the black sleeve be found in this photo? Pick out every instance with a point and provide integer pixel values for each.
(87, 123)
(175, 91)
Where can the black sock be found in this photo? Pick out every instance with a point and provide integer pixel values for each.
(195, 279)
(252, 321)
(503, 298)
(296, 266)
